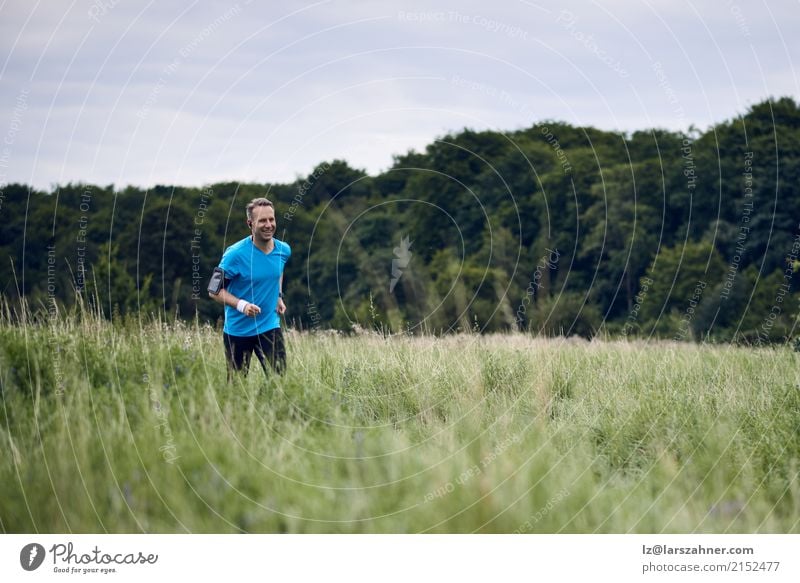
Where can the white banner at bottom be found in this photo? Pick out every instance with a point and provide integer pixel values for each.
(389, 558)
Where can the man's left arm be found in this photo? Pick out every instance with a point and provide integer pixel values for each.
(281, 309)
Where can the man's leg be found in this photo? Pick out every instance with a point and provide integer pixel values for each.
(237, 353)
(270, 347)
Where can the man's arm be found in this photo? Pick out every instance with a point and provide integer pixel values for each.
(226, 298)
(281, 308)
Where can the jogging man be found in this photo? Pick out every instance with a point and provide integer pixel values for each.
(249, 283)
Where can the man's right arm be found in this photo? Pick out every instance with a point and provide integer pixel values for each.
(218, 283)
(226, 298)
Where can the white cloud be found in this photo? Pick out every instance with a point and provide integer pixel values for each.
(196, 93)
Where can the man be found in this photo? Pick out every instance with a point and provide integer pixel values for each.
(249, 283)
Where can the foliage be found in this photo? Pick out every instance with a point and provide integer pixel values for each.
(479, 211)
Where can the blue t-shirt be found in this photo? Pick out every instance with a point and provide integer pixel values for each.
(254, 276)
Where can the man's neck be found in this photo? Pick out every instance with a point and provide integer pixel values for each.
(265, 247)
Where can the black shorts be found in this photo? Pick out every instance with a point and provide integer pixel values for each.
(268, 347)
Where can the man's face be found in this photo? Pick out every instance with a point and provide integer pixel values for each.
(263, 223)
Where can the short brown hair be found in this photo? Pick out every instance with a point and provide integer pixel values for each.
(257, 202)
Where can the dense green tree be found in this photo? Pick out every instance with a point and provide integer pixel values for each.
(553, 228)
(679, 280)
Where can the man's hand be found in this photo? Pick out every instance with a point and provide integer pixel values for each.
(281, 309)
(247, 308)
(252, 310)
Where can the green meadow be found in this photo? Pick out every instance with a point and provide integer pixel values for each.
(131, 427)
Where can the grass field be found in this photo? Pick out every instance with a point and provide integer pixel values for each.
(131, 428)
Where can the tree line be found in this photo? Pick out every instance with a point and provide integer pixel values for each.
(551, 229)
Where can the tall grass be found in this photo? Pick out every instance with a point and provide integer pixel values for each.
(130, 426)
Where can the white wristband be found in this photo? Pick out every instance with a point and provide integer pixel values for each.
(242, 305)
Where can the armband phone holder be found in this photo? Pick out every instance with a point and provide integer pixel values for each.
(215, 283)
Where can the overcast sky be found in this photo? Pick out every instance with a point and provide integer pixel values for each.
(124, 92)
